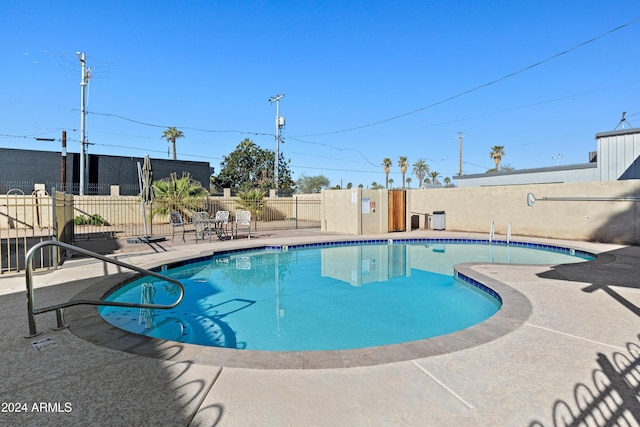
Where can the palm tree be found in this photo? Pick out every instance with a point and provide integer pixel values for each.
(171, 134)
(409, 182)
(447, 181)
(386, 162)
(178, 194)
(391, 182)
(402, 162)
(420, 169)
(252, 200)
(434, 177)
(497, 153)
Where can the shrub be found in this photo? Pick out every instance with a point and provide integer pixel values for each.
(251, 200)
(94, 219)
(180, 194)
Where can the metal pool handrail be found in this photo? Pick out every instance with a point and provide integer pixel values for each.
(59, 308)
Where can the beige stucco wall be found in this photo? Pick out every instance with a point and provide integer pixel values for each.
(25, 212)
(113, 209)
(343, 211)
(473, 209)
(590, 217)
(376, 220)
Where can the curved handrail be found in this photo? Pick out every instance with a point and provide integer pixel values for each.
(59, 307)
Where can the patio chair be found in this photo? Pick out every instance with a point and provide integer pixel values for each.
(221, 224)
(176, 221)
(202, 224)
(243, 218)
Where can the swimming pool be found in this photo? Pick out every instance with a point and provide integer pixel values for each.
(324, 297)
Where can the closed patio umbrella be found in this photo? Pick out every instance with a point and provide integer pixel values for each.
(147, 181)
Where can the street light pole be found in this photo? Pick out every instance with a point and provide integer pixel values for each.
(86, 75)
(279, 125)
(460, 136)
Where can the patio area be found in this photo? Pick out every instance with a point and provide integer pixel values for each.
(575, 358)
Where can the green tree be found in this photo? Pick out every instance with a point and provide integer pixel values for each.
(387, 163)
(497, 153)
(183, 195)
(349, 185)
(403, 163)
(409, 182)
(376, 186)
(391, 182)
(250, 166)
(171, 134)
(311, 184)
(434, 177)
(420, 169)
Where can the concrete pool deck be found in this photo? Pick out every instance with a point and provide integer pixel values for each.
(577, 350)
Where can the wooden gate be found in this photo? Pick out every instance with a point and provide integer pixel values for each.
(397, 210)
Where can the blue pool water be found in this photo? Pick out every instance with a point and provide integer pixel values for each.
(320, 298)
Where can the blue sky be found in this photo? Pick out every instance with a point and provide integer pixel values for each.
(363, 80)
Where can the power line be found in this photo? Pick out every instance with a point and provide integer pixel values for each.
(180, 127)
(157, 151)
(534, 104)
(336, 148)
(334, 169)
(466, 92)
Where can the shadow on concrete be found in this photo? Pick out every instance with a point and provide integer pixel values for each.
(613, 269)
(97, 383)
(612, 398)
(13, 253)
(111, 245)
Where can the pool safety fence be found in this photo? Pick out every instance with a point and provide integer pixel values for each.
(29, 218)
(25, 220)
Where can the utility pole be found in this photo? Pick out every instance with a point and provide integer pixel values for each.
(623, 121)
(86, 76)
(557, 158)
(460, 135)
(63, 162)
(279, 125)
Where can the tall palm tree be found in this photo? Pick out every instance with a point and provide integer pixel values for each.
(171, 134)
(497, 153)
(386, 162)
(434, 177)
(402, 162)
(391, 183)
(420, 169)
(409, 182)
